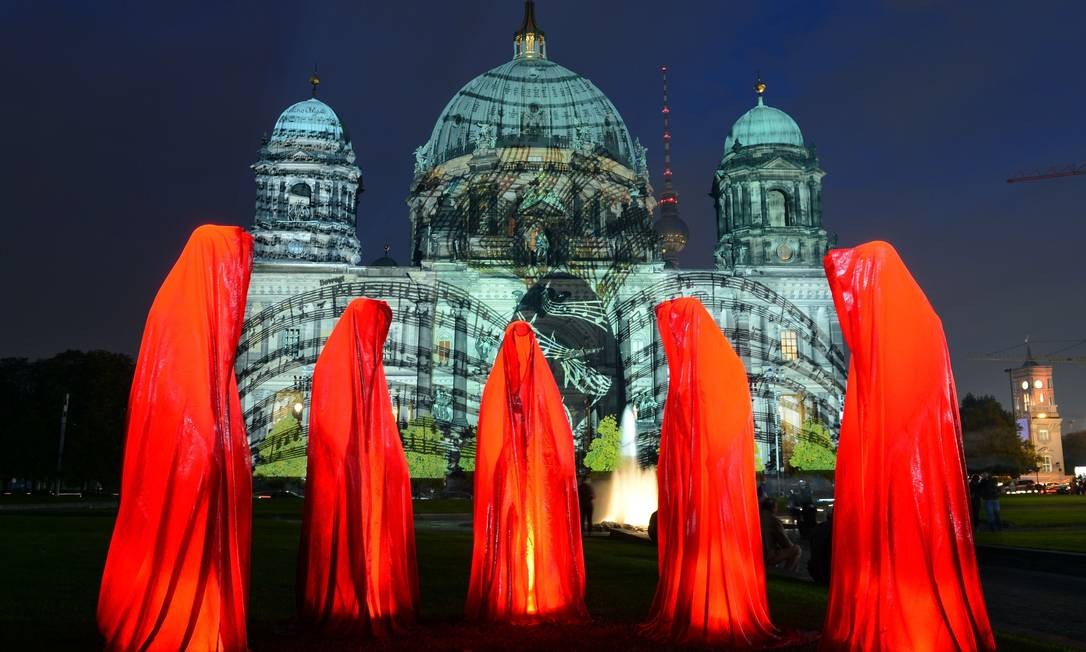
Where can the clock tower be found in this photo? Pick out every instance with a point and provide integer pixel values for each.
(1038, 416)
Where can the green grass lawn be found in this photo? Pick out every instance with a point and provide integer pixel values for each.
(50, 568)
(1028, 510)
(1049, 522)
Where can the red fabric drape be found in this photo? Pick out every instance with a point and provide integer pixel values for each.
(527, 564)
(711, 589)
(177, 574)
(904, 573)
(356, 565)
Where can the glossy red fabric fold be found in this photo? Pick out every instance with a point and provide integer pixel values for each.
(904, 572)
(711, 588)
(527, 565)
(356, 566)
(177, 573)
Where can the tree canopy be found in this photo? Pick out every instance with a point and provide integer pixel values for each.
(423, 448)
(604, 450)
(814, 450)
(991, 440)
(32, 396)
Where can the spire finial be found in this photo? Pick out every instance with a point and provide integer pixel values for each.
(314, 80)
(759, 87)
(388, 248)
(529, 41)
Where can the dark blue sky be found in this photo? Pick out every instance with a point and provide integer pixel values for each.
(128, 124)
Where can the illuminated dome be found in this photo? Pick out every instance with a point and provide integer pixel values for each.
(311, 125)
(530, 101)
(763, 125)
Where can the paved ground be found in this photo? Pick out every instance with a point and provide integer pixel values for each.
(1037, 604)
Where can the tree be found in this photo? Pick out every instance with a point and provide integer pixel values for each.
(604, 450)
(814, 450)
(32, 395)
(423, 448)
(991, 440)
(282, 454)
(1074, 450)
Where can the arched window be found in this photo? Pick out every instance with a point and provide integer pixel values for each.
(299, 201)
(777, 208)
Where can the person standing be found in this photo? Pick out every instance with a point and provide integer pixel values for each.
(586, 497)
(776, 546)
(974, 499)
(989, 493)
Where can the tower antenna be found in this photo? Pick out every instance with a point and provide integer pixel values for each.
(669, 195)
(671, 229)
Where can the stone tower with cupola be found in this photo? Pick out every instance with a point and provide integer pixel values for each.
(767, 192)
(1038, 416)
(307, 184)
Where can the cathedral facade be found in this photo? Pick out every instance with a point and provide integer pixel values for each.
(532, 201)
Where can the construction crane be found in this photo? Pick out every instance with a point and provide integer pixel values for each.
(1055, 357)
(1052, 173)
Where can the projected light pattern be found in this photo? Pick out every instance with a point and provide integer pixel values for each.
(530, 200)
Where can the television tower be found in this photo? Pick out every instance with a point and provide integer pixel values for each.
(670, 228)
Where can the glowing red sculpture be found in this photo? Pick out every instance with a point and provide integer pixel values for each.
(527, 565)
(356, 566)
(904, 573)
(711, 589)
(177, 574)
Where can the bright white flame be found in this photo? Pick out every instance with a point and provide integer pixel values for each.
(629, 496)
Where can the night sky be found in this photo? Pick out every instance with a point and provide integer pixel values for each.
(128, 124)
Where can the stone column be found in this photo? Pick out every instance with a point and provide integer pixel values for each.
(798, 217)
(659, 369)
(460, 368)
(425, 311)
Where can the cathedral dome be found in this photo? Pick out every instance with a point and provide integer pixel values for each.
(764, 125)
(535, 102)
(310, 123)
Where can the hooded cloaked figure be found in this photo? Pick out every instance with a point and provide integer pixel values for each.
(711, 588)
(177, 573)
(527, 565)
(356, 565)
(904, 574)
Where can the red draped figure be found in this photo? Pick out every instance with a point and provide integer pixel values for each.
(177, 574)
(527, 566)
(356, 566)
(904, 574)
(711, 588)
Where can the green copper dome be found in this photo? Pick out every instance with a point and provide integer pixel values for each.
(530, 101)
(310, 122)
(764, 125)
